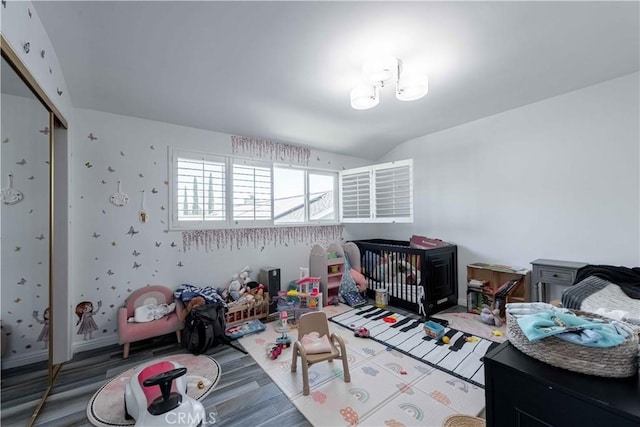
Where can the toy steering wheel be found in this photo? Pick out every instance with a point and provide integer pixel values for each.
(169, 401)
(164, 377)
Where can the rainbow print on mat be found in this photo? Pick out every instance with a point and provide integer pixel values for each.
(360, 394)
(413, 410)
(394, 367)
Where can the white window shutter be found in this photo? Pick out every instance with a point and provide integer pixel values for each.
(198, 189)
(393, 192)
(378, 193)
(355, 195)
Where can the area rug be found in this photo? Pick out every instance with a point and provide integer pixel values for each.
(471, 322)
(461, 357)
(106, 407)
(387, 387)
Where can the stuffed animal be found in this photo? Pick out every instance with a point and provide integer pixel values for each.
(237, 287)
(255, 291)
(491, 317)
(195, 302)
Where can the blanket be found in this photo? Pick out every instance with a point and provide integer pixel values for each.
(627, 278)
(186, 293)
(597, 295)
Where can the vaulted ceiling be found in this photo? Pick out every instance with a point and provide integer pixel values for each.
(284, 70)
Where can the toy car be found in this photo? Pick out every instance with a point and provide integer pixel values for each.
(362, 333)
(284, 339)
(156, 395)
(274, 351)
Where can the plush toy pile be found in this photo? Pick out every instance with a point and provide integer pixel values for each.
(242, 290)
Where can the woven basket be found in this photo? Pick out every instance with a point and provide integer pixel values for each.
(614, 362)
(463, 421)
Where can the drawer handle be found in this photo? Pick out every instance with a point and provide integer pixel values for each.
(555, 274)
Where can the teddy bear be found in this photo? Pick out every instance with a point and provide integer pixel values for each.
(491, 317)
(256, 290)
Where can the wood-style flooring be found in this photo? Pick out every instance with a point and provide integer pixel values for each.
(244, 396)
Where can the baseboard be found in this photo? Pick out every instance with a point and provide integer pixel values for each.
(9, 362)
(462, 302)
(93, 343)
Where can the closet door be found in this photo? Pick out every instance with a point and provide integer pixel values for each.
(25, 228)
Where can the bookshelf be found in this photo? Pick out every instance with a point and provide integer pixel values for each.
(494, 285)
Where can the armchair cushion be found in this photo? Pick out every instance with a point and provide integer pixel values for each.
(150, 295)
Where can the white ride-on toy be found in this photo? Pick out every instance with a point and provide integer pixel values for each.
(156, 395)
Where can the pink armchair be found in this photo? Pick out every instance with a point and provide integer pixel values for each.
(132, 332)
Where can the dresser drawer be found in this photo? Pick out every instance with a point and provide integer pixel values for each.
(554, 275)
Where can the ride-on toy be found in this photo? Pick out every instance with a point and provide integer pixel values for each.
(156, 395)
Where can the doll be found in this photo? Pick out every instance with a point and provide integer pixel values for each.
(85, 313)
(44, 333)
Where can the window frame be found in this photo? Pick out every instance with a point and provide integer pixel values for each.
(175, 224)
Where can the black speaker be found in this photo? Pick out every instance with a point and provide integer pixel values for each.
(270, 278)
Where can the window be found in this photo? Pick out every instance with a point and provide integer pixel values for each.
(288, 195)
(219, 192)
(293, 203)
(251, 192)
(199, 189)
(322, 197)
(378, 193)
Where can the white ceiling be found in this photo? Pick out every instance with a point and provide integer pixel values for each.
(283, 70)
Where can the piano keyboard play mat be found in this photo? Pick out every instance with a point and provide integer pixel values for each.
(462, 357)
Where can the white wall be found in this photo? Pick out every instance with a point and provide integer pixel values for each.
(557, 179)
(137, 151)
(21, 24)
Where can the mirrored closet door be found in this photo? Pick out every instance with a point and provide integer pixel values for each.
(27, 245)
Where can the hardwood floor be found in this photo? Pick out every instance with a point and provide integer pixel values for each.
(244, 396)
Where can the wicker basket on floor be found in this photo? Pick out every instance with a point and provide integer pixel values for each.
(460, 420)
(614, 362)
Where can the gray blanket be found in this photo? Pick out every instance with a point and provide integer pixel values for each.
(593, 294)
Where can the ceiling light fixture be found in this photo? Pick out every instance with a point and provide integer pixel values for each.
(380, 71)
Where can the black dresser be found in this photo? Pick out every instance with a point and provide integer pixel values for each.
(521, 391)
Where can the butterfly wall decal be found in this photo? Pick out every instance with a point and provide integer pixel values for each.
(132, 232)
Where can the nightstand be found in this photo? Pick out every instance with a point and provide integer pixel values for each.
(549, 272)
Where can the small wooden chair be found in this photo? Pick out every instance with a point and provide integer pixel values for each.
(317, 322)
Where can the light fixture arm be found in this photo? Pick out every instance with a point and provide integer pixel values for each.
(410, 87)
